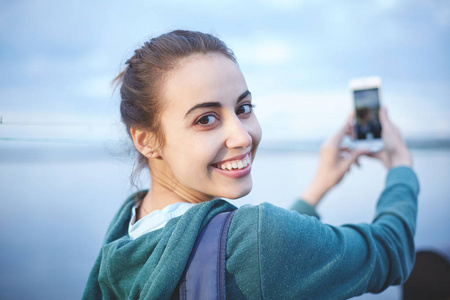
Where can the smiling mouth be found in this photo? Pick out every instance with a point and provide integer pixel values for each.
(236, 164)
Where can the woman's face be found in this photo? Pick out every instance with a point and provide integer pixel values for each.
(211, 133)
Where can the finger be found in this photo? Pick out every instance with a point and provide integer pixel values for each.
(389, 128)
(349, 123)
(384, 118)
(345, 149)
(342, 155)
(352, 133)
(381, 156)
(382, 113)
(344, 152)
(353, 157)
(378, 154)
(336, 139)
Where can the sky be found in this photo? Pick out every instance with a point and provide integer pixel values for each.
(58, 59)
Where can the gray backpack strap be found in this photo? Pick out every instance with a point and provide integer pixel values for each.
(204, 276)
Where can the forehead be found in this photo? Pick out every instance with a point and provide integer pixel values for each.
(203, 78)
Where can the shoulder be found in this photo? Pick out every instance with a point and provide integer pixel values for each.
(266, 216)
(258, 233)
(266, 225)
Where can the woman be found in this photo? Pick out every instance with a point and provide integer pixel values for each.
(189, 112)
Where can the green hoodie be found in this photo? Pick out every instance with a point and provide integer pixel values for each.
(271, 252)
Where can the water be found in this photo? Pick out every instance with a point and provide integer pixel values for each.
(58, 198)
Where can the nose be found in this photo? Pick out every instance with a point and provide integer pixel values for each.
(237, 135)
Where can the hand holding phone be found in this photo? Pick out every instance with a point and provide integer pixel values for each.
(366, 94)
(334, 162)
(395, 152)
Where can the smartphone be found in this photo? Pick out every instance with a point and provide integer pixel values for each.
(366, 94)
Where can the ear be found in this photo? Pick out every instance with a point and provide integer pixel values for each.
(145, 142)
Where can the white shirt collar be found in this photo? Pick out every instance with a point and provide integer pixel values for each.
(156, 219)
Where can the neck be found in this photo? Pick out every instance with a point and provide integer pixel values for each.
(166, 190)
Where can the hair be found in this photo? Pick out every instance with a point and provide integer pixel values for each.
(145, 73)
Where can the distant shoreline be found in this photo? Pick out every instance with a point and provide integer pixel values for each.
(53, 150)
(281, 145)
(301, 146)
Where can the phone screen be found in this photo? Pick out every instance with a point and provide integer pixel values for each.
(367, 105)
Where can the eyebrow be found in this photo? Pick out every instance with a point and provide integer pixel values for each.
(216, 104)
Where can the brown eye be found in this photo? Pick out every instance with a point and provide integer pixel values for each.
(244, 109)
(206, 120)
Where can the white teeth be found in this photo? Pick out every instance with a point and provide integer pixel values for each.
(238, 164)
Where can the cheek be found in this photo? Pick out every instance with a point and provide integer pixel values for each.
(255, 131)
(191, 154)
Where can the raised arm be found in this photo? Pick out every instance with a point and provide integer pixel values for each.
(313, 260)
(334, 162)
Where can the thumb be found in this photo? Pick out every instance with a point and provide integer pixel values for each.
(384, 118)
(336, 139)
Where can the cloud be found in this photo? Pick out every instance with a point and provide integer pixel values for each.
(312, 115)
(264, 52)
(297, 56)
(97, 87)
(302, 115)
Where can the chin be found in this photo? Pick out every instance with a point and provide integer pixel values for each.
(237, 193)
